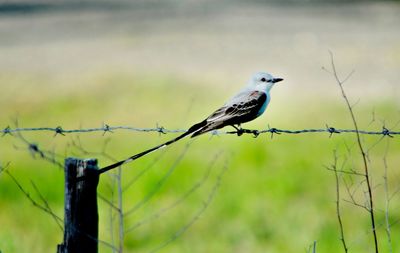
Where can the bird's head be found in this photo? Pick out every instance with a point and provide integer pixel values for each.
(263, 81)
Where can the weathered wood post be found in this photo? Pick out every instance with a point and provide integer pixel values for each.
(81, 216)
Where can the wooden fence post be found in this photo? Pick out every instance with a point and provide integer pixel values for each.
(81, 216)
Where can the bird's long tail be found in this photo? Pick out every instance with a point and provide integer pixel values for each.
(191, 130)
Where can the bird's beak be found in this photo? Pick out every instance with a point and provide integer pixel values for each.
(276, 80)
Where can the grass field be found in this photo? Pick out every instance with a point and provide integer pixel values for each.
(80, 70)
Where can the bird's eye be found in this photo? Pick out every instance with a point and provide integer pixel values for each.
(263, 79)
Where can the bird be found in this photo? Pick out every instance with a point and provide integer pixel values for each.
(247, 105)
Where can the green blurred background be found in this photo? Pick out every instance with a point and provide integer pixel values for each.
(79, 64)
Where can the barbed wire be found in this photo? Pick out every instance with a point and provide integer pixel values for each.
(107, 128)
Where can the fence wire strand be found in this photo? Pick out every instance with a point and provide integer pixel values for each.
(106, 128)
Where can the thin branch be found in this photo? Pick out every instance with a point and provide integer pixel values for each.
(108, 202)
(338, 213)
(314, 247)
(120, 211)
(352, 193)
(107, 244)
(159, 183)
(387, 199)
(207, 202)
(142, 172)
(45, 208)
(160, 212)
(79, 146)
(2, 168)
(353, 202)
(112, 208)
(350, 172)
(361, 148)
(34, 149)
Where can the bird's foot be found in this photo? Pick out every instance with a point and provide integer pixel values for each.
(240, 131)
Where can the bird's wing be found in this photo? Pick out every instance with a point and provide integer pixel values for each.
(242, 108)
(245, 104)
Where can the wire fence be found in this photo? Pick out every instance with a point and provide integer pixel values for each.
(107, 128)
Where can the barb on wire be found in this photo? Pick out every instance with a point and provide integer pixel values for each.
(273, 131)
(6, 130)
(59, 130)
(386, 132)
(106, 129)
(161, 129)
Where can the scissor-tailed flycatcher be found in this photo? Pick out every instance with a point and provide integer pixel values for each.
(245, 106)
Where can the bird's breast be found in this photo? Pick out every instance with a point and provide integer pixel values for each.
(264, 106)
